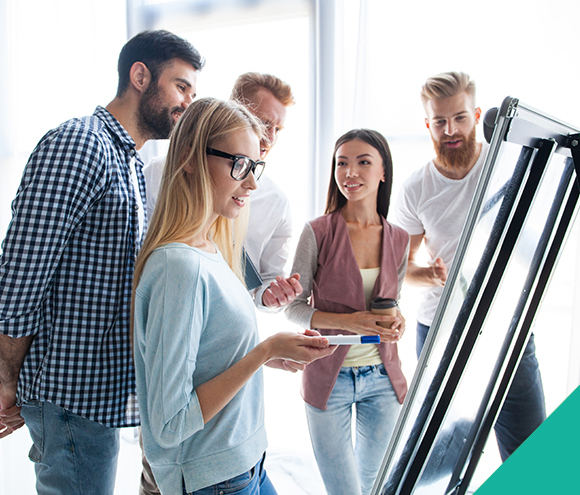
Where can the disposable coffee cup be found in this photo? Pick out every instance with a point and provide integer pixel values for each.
(382, 306)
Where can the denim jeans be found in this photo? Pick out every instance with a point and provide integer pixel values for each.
(72, 454)
(348, 470)
(252, 482)
(524, 408)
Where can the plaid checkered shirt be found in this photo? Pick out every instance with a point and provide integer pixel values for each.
(66, 269)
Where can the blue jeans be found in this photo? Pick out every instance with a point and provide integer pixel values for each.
(252, 482)
(348, 470)
(72, 454)
(524, 408)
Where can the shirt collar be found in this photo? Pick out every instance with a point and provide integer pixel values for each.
(117, 130)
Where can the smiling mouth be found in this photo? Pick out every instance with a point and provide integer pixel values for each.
(239, 201)
(352, 186)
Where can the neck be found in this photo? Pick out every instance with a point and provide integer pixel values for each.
(458, 172)
(201, 240)
(124, 109)
(362, 214)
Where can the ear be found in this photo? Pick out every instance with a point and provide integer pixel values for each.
(426, 123)
(477, 115)
(140, 76)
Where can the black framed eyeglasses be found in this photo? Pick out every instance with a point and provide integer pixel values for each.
(242, 165)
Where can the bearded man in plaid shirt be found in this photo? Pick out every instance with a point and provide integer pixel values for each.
(66, 271)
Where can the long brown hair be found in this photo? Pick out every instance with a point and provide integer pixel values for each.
(335, 200)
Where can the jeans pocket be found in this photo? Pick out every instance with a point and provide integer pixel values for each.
(34, 454)
(382, 370)
(237, 485)
(32, 414)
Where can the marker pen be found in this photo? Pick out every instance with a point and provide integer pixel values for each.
(353, 339)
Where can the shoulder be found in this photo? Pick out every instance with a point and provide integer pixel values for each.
(176, 261)
(417, 178)
(324, 223)
(78, 139)
(395, 230)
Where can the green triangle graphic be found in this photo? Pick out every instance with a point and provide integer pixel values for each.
(546, 463)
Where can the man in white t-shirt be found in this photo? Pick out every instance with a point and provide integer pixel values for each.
(433, 207)
(270, 222)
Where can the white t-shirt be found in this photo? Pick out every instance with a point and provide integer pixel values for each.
(433, 205)
(269, 225)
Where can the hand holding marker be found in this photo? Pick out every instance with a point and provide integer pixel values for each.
(378, 306)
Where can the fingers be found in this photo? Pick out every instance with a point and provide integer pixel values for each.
(282, 291)
(312, 333)
(293, 366)
(440, 271)
(10, 421)
(269, 299)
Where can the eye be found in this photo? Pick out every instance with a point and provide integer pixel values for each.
(181, 88)
(365, 162)
(440, 123)
(340, 163)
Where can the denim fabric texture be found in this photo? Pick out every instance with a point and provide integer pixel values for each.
(253, 482)
(72, 454)
(524, 408)
(349, 469)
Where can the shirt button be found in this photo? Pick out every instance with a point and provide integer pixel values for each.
(132, 152)
(136, 207)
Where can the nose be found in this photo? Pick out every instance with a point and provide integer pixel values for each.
(351, 170)
(187, 100)
(250, 182)
(450, 128)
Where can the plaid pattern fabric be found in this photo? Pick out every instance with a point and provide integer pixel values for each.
(66, 269)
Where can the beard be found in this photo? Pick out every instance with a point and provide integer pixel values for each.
(155, 120)
(456, 158)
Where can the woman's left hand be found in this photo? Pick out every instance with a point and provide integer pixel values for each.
(393, 332)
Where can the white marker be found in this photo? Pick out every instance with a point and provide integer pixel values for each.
(352, 339)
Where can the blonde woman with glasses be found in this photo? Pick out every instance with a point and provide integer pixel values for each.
(197, 352)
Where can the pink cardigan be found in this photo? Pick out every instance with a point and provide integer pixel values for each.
(338, 288)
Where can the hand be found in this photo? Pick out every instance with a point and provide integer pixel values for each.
(439, 269)
(395, 331)
(10, 418)
(389, 328)
(286, 365)
(300, 349)
(282, 291)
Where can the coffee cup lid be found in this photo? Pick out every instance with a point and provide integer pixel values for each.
(382, 303)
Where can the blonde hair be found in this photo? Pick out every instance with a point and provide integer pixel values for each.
(248, 84)
(446, 85)
(185, 201)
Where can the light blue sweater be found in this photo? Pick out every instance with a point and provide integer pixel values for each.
(193, 320)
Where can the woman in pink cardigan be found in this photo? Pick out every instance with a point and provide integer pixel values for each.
(345, 259)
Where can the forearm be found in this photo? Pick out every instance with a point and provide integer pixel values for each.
(324, 320)
(420, 276)
(12, 354)
(216, 393)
